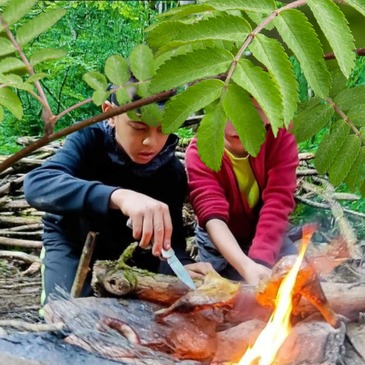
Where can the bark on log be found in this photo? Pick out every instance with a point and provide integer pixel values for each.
(20, 243)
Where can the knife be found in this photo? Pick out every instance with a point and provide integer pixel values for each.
(175, 264)
(177, 267)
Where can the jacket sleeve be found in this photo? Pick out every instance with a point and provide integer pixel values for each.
(57, 187)
(277, 197)
(206, 195)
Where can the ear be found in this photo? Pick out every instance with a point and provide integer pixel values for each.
(106, 106)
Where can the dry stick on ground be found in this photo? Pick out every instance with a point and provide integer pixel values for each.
(20, 243)
(32, 327)
(84, 264)
(326, 192)
(21, 256)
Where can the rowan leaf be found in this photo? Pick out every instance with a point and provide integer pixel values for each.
(16, 81)
(257, 6)
(357, 115)
(239, 109)
(36, 77)
(259, 84)
(357, 173)
(299, 35)
(151, 114)
(351, 97)
(330, 145)
(11, 64)
(338, 82)
(222, 27)
(270, 52)
(335, 27)
(142, 62)
(210, 140)
(38, 25)
(344, 159)
(185, 10)
(117, 70)
(6, 47)
(314, 115)
(99, 96)
(95, 80)
(193, 99)
(195, 65)
(10, 100)
(359, 5)
(162, 34)
(46, 54)
(15, 10)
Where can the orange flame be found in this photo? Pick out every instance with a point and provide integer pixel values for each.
(269, 341)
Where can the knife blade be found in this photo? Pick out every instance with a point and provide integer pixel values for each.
(178, 268)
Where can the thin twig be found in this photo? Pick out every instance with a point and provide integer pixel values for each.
(84, 264)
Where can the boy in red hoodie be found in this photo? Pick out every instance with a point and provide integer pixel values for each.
(243, 209)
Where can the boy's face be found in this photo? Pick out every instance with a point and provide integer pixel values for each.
(140, 141)
(232, 142)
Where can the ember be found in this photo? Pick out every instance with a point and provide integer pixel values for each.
(278, 327)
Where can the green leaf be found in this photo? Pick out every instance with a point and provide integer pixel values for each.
(258, 6)
(123, 96)
(357, 174)
(270, 53)
(2, 114)
(359, 5)
(36, 77)
(357, 115)
(17, 82)
(162, 34)
(330, 145)
(15, 10)
(38, 25)
(11, 64)
(335, 27)
(46, 54)
(221, 27)
(6, 47)
(349, 98)
(312, 119)
(193, 99)
(96, 80)
(99, 96)
(185, 10)
(117, 70)
(338, 82)
(210, 140)
(142, 62)
(151, 114)
(183, 69)
(11, 101)
(344, 160)
(259, 84)
(299, 35)
(239, 109)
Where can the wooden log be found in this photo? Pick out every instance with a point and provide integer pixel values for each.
(345, 299)
(13, 242)
(12, 221)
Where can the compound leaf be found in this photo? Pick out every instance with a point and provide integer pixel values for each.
(299, 35)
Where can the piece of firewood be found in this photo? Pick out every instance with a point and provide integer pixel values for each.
(345, 299)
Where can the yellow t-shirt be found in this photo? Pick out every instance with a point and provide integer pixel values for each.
(245, 178)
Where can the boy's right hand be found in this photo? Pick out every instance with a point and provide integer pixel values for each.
(151, 218)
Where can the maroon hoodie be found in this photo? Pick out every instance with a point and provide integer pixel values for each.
(259, 230)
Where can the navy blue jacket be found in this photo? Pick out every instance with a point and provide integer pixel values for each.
(73, 187)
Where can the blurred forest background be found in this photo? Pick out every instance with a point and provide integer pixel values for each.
(90, 32)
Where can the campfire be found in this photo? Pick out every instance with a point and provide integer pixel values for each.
(155, 319)
(278, 327)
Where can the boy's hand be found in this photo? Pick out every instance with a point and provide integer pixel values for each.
(198, 270)
(255, 273)
(151, 218)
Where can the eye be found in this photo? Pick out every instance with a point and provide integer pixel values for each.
(138, 126)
